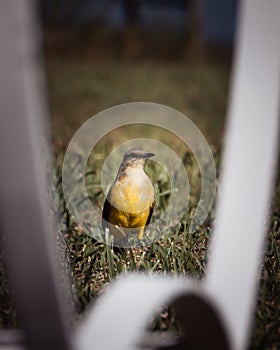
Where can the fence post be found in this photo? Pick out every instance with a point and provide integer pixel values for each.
(23, 186)
(248, 170)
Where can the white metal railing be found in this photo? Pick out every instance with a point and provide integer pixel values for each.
(219, 308)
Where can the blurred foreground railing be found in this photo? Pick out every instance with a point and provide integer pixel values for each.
(216, 313)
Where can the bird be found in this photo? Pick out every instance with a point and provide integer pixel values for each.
(130, 201)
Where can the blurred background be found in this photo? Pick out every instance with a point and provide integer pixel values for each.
(102, 53)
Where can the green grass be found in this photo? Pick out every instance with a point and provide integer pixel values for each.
(78, 88)
(178, 252)
(267, 319)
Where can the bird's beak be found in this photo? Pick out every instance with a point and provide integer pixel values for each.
(149, 154)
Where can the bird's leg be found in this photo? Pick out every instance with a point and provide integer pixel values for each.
(141, 232)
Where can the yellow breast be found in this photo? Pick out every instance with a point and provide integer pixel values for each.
(131, 197)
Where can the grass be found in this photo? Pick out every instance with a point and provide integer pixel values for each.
(178, 252)
(267, 319)
(95, 264)
(81, 86)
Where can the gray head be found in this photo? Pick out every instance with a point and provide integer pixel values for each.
(137, 153)
(136, 156)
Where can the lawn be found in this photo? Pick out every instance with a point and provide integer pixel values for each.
(79, 86)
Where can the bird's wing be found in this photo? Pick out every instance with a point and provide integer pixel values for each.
(150, 213)
(106, 212)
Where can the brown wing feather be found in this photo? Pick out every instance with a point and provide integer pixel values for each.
(150, 213)
(106, 212)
